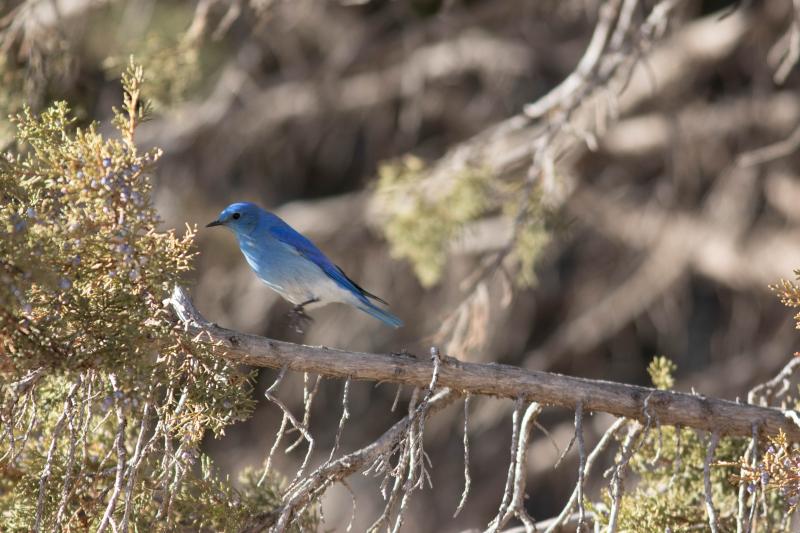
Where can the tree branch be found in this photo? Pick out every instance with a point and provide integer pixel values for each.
(714, 415)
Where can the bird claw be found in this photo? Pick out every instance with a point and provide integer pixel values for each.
(298, 319)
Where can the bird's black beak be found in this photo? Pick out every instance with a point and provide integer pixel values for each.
(212, 224)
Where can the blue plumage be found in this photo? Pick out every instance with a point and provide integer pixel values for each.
(292, 265)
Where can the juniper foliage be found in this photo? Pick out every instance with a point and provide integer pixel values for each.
(423, 219)
(666, 489)
(103, 400)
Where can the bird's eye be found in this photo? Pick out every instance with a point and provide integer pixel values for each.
(236, 216)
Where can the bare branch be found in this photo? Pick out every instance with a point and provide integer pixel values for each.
(565, 515)
(765, 392)
(467, 52)
(502, 517)
(517, 505)
(789, 47)
(670, 407)
(587, 65)
(298, 426)
(765, 154)
(327, 474)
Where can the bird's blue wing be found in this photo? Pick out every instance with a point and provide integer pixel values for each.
(304, 247)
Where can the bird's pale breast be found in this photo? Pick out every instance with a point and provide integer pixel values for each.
(290, 274)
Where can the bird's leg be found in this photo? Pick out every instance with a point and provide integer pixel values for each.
(298, 319)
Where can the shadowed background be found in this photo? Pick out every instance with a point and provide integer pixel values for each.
(667, 236)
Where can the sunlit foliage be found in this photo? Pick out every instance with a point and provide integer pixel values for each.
(104, 401)
(422, 220)
(665, 486)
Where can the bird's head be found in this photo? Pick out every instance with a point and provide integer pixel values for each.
(241, 217)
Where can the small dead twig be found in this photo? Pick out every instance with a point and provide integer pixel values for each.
(513, 503)
(46, 471)
(281, 430)
(403, 439)
(713, 520)
(467, 478)
(566, 451)
(581, 464)
(751, 456)
(617, 480)
(66, 489)
(496, 524)
(396, 398)
(765, 392)
(308, 398)
(135, 463)
(278, 437)
(417, 460)
(119, 445)
(678, 464)
(298, 426)
(346, 485)
(517, 507)
(345, 416)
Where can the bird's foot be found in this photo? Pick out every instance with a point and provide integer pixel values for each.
(403, 353)
(299, 319)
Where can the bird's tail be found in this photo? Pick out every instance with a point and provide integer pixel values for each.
(380, 314)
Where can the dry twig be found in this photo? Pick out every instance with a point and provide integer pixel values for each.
(713, 520)
(467, 478)
(618, 477)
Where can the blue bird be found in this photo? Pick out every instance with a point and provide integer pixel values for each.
(292, 265)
